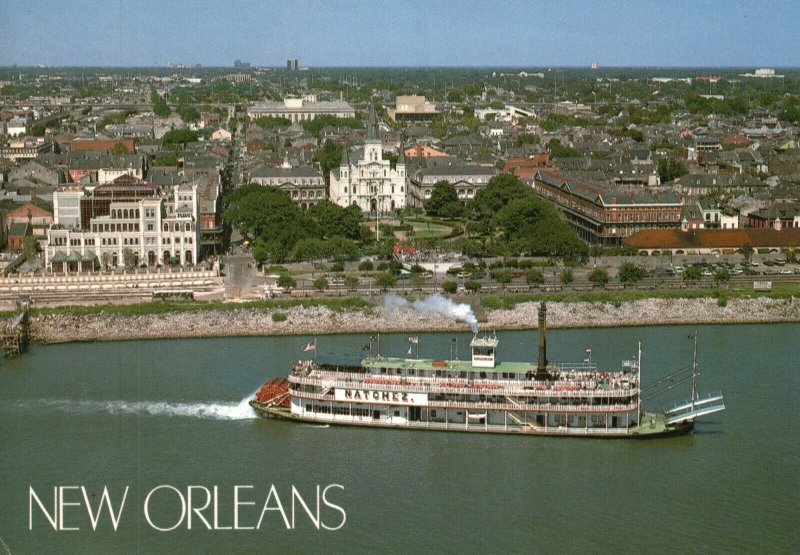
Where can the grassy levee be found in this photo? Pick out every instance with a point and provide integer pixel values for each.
(508, 302)
(141, 309)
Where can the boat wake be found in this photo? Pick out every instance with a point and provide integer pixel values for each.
(211, 411)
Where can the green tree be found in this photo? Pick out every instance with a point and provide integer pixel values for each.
(631, 273)
(443, 201)
(385, 281)
(188, 113)
(351, 281)
(747, 252)
(534, 277)
(449, 287)
(29, 246)
(127, 257)
(331, 220)
(160, 107)
(500, 191)
(596, 251)
(669, 169)
(328, 157)
(598, 276)
(566, 276)
(721, 276)
(472, 286)
(692, 273)
(287, 282)
(178, 136)
(320, 284)
(503, 277)
(557, 150)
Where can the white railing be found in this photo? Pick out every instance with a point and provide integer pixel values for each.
(476, 387)
(482, 405)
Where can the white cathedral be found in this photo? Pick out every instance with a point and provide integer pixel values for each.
(366, 180)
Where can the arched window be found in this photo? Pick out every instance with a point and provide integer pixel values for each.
(188, 227)
(166, 227)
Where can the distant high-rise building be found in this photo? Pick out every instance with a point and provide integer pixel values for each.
(595, 65)
(241, 64)
(292, 64)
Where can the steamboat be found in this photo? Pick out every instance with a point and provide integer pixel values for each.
(485, 394)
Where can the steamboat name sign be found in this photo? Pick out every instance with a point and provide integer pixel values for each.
(384, 397)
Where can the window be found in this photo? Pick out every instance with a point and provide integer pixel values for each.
(149, 227)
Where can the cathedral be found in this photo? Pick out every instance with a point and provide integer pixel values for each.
(366, 180)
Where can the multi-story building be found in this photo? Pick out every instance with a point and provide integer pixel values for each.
(412, 108)
(124, 222)
(301, 109)
(304, 184)
(366, 180)
(602, 215)
(467, 179)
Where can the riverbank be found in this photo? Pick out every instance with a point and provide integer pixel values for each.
(322, 320)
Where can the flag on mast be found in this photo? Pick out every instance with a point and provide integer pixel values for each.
(414, 340)
(312, 346)
(409, 351)
(588, 358)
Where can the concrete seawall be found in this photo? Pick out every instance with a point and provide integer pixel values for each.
(59, 328)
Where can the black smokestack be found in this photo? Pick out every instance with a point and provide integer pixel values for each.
(541, 368)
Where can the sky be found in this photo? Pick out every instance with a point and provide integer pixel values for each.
(519, 33)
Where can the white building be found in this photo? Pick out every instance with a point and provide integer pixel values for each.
(366, 180)
(125, 219)
(301, 109)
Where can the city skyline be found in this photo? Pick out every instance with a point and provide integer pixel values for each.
(361, 34)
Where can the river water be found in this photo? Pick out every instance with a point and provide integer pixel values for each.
(160, 416)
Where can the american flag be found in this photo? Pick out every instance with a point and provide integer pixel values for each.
(413, 340)
(312, 346)
(588, 356)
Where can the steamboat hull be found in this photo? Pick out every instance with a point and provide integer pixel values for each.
(658, 430)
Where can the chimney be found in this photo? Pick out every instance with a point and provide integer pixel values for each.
(541, 368)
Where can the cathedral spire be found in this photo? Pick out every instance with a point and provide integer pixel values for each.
(372, 123)
(345, 158)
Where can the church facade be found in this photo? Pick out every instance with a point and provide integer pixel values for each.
(366, 180)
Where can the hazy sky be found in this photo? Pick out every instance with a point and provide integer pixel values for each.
(400, 32)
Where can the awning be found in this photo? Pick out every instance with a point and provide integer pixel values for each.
(73, 257)
(89, 256)
(58, 257)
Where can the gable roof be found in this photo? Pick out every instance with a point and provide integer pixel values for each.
(713, 238)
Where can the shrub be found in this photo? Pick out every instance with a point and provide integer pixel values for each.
(566, 276)
(366, 266)
(450, 287)
(383, 266)
(279, 317)
(534, 277)
(337, 267)
(472, 286)
(598, 276)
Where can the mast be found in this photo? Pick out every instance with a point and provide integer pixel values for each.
(541, 368)
(639, 381)
(694, 371)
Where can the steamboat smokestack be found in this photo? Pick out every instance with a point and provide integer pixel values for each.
(541, 369)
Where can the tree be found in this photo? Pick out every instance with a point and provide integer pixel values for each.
(534, 277)
(188, 113)
(566, 276)
(287, 282)
(450, 287)
(692, 273)
(105, 259)
(366, 266)
(29, 247)
(120, 149)
(669, 169)
(331, 220)
(127, 257)
(160, 107)
(320, 284)
(500, 191)
(747, 252)
(557, 150)
(721, 276)
(351, 281)
(503, 277)
(631, 273)
(178, 136)
(444, 201)
(598, 276)
(472, 286)
(328, 157)
(385, 281)
(534, 226)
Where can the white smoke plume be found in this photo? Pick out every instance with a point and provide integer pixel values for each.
(435, 304)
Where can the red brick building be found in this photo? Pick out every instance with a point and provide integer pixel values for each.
(603, 215)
